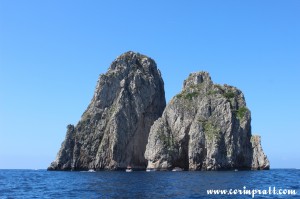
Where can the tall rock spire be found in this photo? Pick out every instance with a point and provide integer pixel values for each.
(113, 132)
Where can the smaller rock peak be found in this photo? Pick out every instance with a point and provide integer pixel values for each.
(256, 139)
(197, 78)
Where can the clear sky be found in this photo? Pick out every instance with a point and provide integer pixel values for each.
(52, 52)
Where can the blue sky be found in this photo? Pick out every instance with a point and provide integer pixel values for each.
(52, 52)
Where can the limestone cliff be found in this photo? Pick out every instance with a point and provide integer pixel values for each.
(113, 131)
(205, 127)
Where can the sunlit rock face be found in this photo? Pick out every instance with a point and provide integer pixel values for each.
(113, 131)
(205, 127)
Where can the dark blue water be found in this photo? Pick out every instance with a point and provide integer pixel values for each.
(46, 184)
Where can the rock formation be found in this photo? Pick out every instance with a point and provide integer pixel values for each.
(113, 131)
(205, 127)
(259, 159)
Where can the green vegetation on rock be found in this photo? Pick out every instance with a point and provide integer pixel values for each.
(229, 95)
(166, 140)
(240, 113)
(211, 131)
(179, 95)
(212, 92)
(219, 87)
(188, 96)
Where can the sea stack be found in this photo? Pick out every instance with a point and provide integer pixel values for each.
(205, 127)
(113, 132)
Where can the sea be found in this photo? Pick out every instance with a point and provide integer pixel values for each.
(142, 184)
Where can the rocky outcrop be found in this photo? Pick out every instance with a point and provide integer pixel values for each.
(113, 131)
(259, 159)
(205, 127)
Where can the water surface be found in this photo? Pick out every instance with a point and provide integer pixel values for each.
(117, 184)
